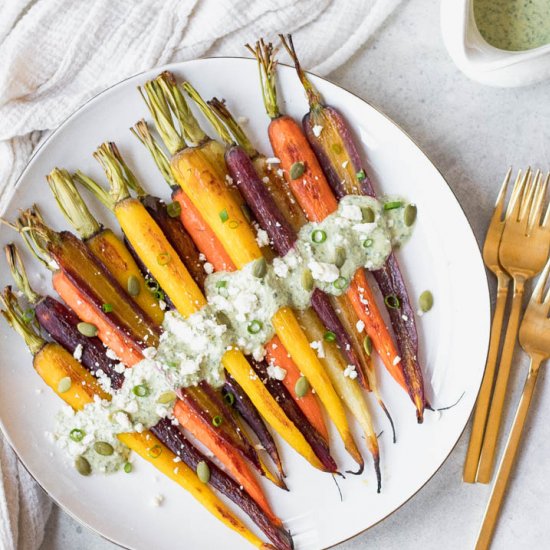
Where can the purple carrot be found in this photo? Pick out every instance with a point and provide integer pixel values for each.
(246, 409)
(333, 143)
(295, 415)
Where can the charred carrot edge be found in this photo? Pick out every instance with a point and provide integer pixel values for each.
(242, 403)
(202, 174)
(104, 244)
(312, 190)
(61, 323)
(198, 230)
(338, 156)
(53, 363)
(309, 403)
(195, 424)
(149, 242)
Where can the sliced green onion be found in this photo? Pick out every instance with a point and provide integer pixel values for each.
(77, 435)
(233, 224)
(107, 308)
(153, 285)
(329, 336)
(163, 258)
(340, 283)
(159, 295)
(224, 216)
(174, 209)
(254, 326)
(221, 284)
(141, 390)
(319, 236)
(217, 421)
(229, 398)
(361, 175)
(368, 243)
(392, 301)
(128, 467)
(392, 205)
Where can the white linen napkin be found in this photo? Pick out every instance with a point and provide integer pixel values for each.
(56, 54)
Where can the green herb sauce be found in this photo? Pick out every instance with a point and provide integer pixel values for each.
(513, 25)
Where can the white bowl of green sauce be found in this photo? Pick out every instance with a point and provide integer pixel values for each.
(499, 42)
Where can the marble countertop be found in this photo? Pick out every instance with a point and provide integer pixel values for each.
(472, 134)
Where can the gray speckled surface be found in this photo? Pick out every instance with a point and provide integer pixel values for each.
(472, 134)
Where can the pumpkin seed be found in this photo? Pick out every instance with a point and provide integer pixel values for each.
(339, 256)
(302, 386)
(174, 209)
(297, 170)
(103, 448)
(64, 385)
(307, 279)
(409, 216)
(82, 466)
(133, 285)
(260, 268)
(203, 471)
(367, 345)
(87, 329)
(166, 397)
(368, 214)
(426, 301)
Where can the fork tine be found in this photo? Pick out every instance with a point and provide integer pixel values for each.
(538, 202)
(546, 221)
(541, 284)
(528, 196)
(499, 206)
(517, 194)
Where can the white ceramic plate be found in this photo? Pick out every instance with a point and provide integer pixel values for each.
(442, 256)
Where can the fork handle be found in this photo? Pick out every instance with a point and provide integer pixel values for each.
(488, 450)
(484, 397)
(499, 489)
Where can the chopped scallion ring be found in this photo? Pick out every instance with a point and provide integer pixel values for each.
(141, 390)
(340, 283)
(319, 236)
(224, 216)
(392, 205)
(392, 301)
(329, 336)
(107, 308)
(217, 421)
(163, 258)
(254, 326)
(77, 435)
(368, 243)
(174, 209)
(229, 398)
(29, 315)
(361, 175)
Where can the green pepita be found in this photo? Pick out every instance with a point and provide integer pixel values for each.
(307, 280)
(87, 329)
(128, 467)
(167, 397)
(302, 386)
(426, 301)
(409, 216)
(103, 448)
(297, 170)
(203, 471)
(339, 256)
(367, 345)
(368, 214)
(260, 268)
(64, 385)
(82, 466)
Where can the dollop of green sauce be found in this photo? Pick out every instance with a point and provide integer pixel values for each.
(513, 25)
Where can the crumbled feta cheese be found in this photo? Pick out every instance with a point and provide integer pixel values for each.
(322, 271)
(317, 129)
(397, 360)
(280, 267)
(157, 500)
(77, 353)
(276, 372)
(208, 268)
(352, 212)
(345, 164)
(350, 372)
(265, 179)
(318, 346)
(360, 326)
(262, 238)
(272, 160)
(229, 179)
(111, 355)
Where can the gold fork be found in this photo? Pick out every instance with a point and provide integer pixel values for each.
(534, 337)
(490, 257)
(523, 251)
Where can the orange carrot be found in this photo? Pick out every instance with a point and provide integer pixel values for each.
(309, 404)
(204, 237)
(229, 456)
(125, 348)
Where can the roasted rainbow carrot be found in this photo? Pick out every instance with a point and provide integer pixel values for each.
(336, 150)
(54, 363)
